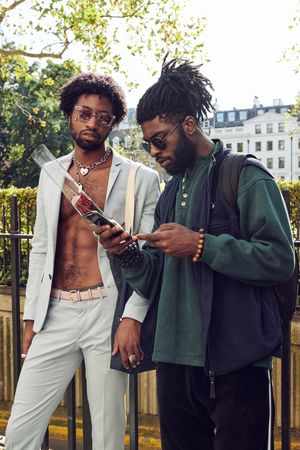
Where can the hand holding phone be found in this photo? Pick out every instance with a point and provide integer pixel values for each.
(114, 239)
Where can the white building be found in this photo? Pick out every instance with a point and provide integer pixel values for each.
(267, 132)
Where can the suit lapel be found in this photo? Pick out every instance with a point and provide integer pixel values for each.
(54, 197)
(116, 166)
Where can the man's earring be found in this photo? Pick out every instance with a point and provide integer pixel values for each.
(192, 131)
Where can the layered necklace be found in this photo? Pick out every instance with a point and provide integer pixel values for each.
(84, 168)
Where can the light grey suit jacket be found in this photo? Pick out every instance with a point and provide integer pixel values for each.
(41, 263)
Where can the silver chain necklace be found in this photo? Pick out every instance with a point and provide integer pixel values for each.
(84, 168)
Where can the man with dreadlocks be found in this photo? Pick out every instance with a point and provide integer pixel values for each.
(218, 323)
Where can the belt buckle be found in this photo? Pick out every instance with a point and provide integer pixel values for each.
(74, 291)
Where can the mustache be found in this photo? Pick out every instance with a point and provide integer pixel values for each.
(93, 132)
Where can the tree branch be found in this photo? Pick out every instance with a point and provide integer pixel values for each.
(10, 8)
(16, 52)
(119, 17)
(128, 15)
(66, 44)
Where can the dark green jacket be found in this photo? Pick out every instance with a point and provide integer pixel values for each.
(241, 323)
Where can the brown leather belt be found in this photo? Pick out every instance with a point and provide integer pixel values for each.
(76, 295)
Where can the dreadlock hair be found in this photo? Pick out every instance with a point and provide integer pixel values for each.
(90, 83)
(181, 90)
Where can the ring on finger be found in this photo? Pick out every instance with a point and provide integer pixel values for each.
(132, 358)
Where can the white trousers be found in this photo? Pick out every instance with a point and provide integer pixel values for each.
(72, 332)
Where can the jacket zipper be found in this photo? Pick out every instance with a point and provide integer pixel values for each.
(212, 393)
(208, 187)
(211, 374)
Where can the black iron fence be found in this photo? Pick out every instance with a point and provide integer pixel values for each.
(23, 221)
(16, 239)
(12, 262)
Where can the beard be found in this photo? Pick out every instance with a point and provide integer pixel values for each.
(185, 155)
(86, 144)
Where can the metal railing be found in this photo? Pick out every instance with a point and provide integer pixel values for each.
(15, 237)
(286, 365)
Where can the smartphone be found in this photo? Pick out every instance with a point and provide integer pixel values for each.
(99, 219)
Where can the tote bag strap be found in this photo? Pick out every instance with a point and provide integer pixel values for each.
(129, 202)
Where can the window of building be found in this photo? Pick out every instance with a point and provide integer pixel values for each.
(298, 144)
(239, 147)
(243, 115)
(270, 163)
(258, 128)
(269, 128)
(283, 110)
(298, 161)
(281, 163)
(260, 112)
(205, 123)
(220, 117)
(229, 146)
(257, 146)
(269, 145)
(281, 144)
(281, 128)
(231, 116)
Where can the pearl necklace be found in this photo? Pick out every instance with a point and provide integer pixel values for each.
(84, 168)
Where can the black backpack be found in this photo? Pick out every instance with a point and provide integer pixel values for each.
(229, 175)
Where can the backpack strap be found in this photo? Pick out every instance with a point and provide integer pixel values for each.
(229, 175)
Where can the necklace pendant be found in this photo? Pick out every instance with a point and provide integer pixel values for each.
(84, 170)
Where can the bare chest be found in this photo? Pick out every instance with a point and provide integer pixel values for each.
(94, 185)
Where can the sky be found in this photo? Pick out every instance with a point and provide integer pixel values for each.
(244, 41)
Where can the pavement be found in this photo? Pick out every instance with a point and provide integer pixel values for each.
(149, 437)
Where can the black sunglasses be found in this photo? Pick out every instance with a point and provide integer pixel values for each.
(157, 141)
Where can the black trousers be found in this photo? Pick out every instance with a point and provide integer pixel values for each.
(240, 417)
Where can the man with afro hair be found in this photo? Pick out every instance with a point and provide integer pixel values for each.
(71, 292)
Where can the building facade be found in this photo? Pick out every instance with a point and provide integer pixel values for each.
(269, 133)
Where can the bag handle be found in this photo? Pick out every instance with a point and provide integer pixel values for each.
(129, 202)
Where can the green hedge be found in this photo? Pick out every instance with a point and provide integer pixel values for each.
(294, 188)
(26, 218)
(26, 205)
